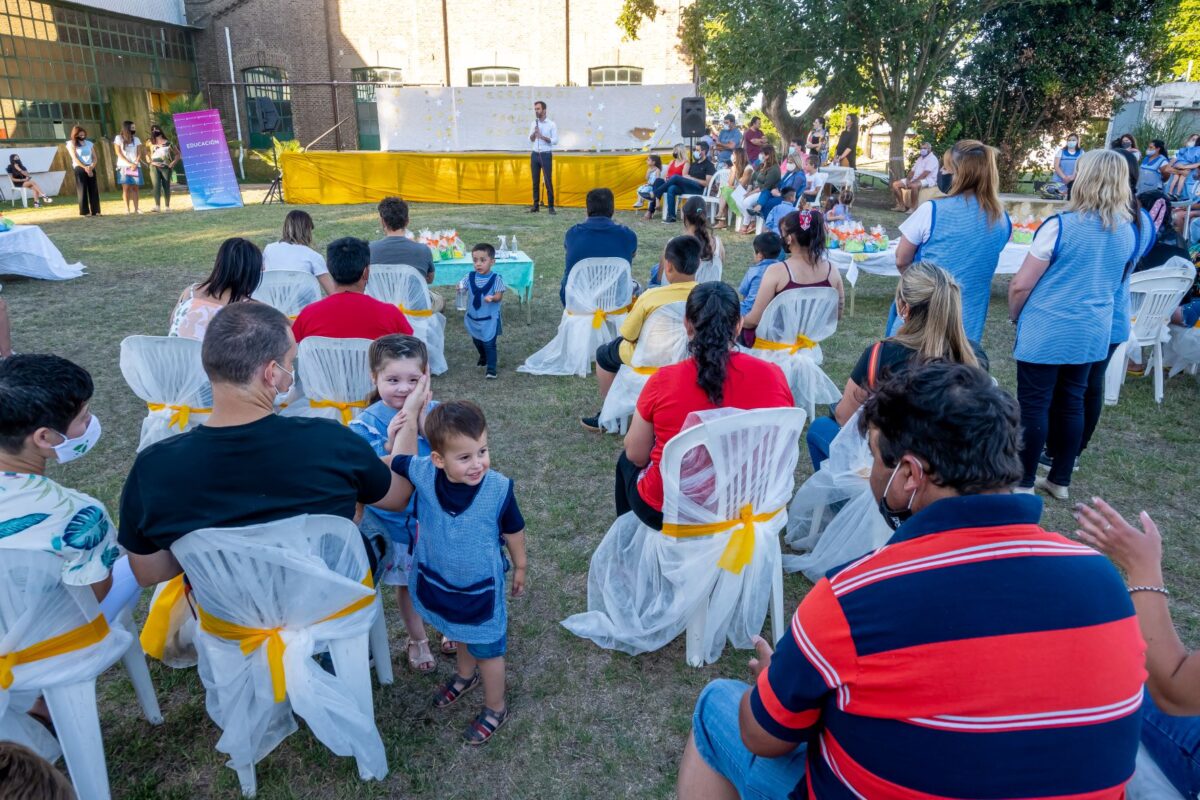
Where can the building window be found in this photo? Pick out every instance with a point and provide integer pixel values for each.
(494, 76)
(364, 102)
(615, 76)
(263, 82)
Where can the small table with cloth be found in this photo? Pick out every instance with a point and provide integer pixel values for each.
(517, 270)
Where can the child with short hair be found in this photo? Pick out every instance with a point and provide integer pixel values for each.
(25, 775)
(467, 512)
(397, 363)
(786, 206)
(485, 291)
(767, 250)
(837, 208)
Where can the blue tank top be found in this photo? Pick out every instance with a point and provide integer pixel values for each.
(457, 585)
(482, 318)
(1067, 159)
(965, 243)
(1068, 316)
(1144, 238)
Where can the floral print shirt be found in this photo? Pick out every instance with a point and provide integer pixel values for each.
(38, 514)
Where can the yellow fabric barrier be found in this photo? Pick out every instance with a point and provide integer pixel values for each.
(464, 178)
(250, 639)
(740, 549)
(86, 635)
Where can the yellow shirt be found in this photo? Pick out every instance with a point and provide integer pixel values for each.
(649, 301)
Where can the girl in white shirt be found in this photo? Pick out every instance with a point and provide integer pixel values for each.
(294, 250)
(128, 150)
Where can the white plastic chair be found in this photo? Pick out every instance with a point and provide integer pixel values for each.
(287, 290)
(790, 333)
(1182, 349)
(15, 191)
(1153, 296)
(36, 606)
(663, 341)
(711, 270)
(167, 374)
(714, 570)
(405, 287)
(834, 517)
(336, 378)
(270, 596)
(599, 295)
(1148, 781)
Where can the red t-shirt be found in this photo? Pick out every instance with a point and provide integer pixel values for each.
(350, 315)
(672, 393)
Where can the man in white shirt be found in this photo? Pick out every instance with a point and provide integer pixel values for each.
(924, 173)
(543, 133)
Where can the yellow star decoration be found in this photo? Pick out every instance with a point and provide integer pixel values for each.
(658, 109)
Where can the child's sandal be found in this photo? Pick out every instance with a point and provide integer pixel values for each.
(449, 647)
(484, 726)
(422, 660)
(453, 689)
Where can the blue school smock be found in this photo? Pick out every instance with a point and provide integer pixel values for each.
(1144, 238)
(796, 179)
(372, 425)
(965, 243)
(1067, 159)
(483, 318)
(1149, 176)
(1068, 316)
(457, 580)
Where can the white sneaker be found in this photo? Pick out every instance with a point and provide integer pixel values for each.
(1052, 489)
(1022, 490)
(49, 199)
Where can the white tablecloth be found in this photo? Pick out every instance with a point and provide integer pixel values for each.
(25, 250)
(884, 264)
(839, 176)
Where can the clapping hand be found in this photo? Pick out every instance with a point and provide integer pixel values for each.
(763, 652)
(1138, 552)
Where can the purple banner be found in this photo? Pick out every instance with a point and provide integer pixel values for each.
(206, 161)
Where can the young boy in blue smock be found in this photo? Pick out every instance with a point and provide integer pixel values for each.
(787, 206)
(397, 363)
(767, 249)
(467, 513)
(485, 291)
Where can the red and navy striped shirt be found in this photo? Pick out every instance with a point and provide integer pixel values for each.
(975, 655)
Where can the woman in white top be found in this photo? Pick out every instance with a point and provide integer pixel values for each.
(294, 250)
(161, 157)
(83, 159)
(128, 150)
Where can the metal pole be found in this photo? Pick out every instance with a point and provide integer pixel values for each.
(567, 82)
(446, 41)
(237, 114)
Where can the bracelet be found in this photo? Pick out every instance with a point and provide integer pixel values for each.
(1159, 589)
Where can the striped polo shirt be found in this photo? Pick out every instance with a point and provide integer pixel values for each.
(975, 655)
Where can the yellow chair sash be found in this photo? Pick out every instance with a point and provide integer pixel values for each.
(415, 312)
(85, 635)
(158, 618)
(293, 317)
(600, 315)
(180, 415)
(344, 408)
(802, 343)
(250, 639)
(740, 549)
(644, 370)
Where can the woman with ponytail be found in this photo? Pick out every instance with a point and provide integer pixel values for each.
(714, 375)
(929, 302)
(806, 267)
(695, 223)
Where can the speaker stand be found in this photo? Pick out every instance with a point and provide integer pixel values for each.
(274, 191)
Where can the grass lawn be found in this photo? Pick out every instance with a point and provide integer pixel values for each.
(587, 723)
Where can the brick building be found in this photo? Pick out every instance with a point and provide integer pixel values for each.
(422, 42)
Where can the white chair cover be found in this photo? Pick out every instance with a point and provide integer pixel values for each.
(35, 605)
(336, 377)
(644, 587)
(811, 314)
(405, 287)
(1182, 350)
(287, 290)
(709, 271)
(663, 342)
(293, 576)
(599, 293)
(1148, 781)
(166, 372)
(834, 516)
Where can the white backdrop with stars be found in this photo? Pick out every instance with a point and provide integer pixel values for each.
(590, 119)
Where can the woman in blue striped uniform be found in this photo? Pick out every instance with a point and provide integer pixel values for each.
(1062, 302)
(1064, 162)
(963, 233)
(1152, 170)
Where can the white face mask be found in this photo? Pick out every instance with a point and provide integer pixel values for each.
(70, 449)
(282, 396)
(696, 154)
(924, 151)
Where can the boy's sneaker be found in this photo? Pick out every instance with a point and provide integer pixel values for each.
(591, 423)
(482, 362)
(638, 204)
(491, 376)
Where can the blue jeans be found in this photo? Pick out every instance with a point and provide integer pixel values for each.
(1174, 744)
(487, 352)
(719, 742)
(821, 433)
(674, 187)
(1051, 395)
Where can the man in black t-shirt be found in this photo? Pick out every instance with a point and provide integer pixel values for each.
(245, 465)
(696, 176)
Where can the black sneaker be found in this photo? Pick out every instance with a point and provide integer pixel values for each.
(552, 211)
(591, 423)
(491, 376)
(482, 362)
(533, 209)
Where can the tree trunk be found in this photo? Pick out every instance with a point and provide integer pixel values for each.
(896, 163)
(789, 126)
